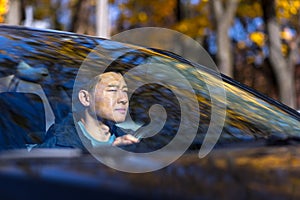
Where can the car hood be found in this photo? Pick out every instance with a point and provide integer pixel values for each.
(235, 173)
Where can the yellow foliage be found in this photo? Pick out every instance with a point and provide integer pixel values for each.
(293, 10)
(3, 9)
(286, 35)
(258, 38)
(284, 49)
(162, 13)
(182, 27)
(142, 16)
(287, 8)
(249, 9)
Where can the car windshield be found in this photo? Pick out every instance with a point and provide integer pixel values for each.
(38, 71)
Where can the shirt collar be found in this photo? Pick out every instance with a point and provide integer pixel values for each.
(94, 142)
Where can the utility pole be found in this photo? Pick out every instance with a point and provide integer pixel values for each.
(102, 19)
(14, 13)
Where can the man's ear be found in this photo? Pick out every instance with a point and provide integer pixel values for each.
(84, 97)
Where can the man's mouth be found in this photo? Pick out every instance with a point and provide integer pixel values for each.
(121, 110)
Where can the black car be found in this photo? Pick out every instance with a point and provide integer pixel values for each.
(255, 156)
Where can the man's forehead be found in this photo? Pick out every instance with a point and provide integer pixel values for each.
(111, 79)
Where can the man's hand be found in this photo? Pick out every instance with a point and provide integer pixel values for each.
(125, 140)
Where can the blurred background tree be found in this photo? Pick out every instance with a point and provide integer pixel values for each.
(254, 41)
(3, 10)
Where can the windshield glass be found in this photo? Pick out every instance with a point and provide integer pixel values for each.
(248, 117)
(38, 71)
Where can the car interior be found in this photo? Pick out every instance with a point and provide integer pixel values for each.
(25, 110)
(17, 111)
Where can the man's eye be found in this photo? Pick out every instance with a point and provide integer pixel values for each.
(112, 90)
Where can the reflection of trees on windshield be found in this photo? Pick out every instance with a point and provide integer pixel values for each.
(260, 114)
(248, 117)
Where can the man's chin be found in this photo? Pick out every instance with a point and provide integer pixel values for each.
(116, 119)
(119, 120)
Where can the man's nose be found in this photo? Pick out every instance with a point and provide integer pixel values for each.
(122, 97)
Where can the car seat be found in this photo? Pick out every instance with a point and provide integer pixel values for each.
(22, 120)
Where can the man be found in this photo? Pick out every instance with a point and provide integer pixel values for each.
(102, 103)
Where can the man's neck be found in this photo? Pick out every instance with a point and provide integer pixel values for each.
(97, 129)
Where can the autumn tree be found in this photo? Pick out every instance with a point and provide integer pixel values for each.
(142, 13)
(284, 71)
(81, 13)
(224, 13)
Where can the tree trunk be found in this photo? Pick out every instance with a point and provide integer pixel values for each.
(283, 71)
(75, 16)
(14, 13)
(178, 11)
(224, 16)
(55, 6)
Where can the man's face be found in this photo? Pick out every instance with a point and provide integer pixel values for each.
(111, 100)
